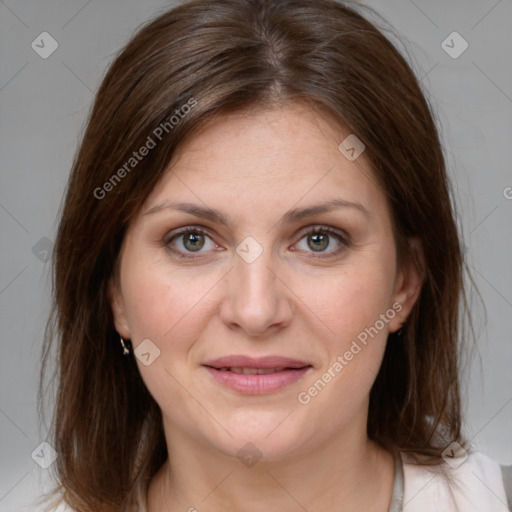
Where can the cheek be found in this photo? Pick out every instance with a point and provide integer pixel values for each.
(171, 310)
(352, 300)
(356, 306)
(165, 306)
(354, 350)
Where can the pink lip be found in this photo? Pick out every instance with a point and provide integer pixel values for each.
(255, 384)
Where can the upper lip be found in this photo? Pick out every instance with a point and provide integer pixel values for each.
(241, 361)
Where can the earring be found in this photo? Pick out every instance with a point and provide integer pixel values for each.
(125, 348)
(401, 330)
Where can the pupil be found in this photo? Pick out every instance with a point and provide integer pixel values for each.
(319, 240)
(196, 240)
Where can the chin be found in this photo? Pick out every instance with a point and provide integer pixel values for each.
(267, 435)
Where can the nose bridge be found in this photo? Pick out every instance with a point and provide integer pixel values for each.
(256, 301)
(254, 279)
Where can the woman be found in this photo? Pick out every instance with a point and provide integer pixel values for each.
(258, 276)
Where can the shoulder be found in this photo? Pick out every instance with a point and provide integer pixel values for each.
(470, 483)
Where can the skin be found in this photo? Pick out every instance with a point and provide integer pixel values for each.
(293, 300)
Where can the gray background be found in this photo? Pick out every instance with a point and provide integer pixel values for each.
(43, 105)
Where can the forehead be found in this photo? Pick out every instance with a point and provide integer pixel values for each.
(268, 142)
(278, 157)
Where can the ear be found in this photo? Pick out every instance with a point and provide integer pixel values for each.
(408, 283)
(115, 298)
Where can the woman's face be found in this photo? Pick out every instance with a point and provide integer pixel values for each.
(256, 284)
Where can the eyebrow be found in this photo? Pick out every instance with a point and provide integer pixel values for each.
(289, 217)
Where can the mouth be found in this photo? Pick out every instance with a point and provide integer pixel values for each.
(252, 371)
(257, 381)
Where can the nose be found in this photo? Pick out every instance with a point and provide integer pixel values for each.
(258, 301)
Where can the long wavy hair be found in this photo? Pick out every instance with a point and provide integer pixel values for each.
(222, 56)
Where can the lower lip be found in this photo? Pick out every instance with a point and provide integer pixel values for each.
(256, 384)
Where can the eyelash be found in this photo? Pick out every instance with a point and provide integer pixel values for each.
(313, 230)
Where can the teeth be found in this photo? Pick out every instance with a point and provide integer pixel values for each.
(252, 371)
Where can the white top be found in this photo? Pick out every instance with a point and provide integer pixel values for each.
(476, 485)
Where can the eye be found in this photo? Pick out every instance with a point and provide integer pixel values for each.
(189, 240)
(319, 238)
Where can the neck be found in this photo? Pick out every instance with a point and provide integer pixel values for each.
(348, 473)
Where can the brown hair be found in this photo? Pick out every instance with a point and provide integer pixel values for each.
(217, 57)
